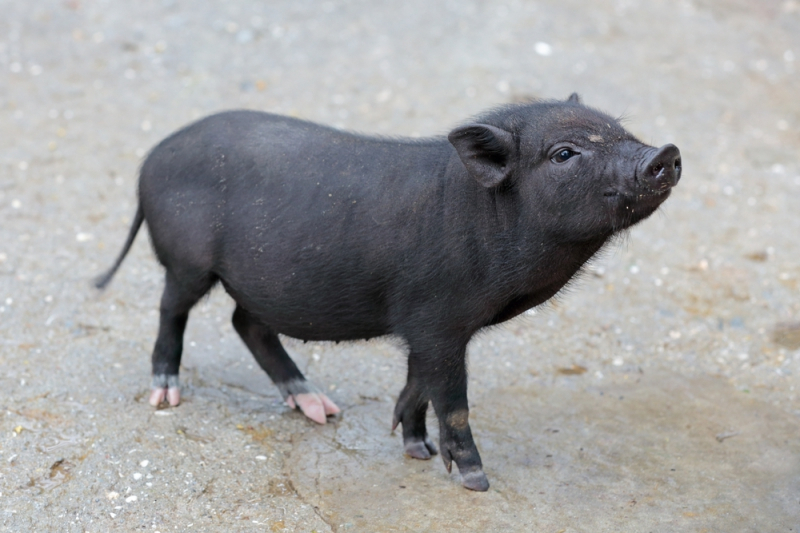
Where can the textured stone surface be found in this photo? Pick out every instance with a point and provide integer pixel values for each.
(657, 394)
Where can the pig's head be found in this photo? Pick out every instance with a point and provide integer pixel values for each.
(575, 171)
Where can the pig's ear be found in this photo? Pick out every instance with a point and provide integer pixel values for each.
(486, 151)
(574, 99)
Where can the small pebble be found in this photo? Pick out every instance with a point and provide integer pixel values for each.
(113, 495)
(144, 463)
(137, 476)
(130, 499)
(618, 361)
(16, 204)
(261, 457)
(84, 237)
(543, 49)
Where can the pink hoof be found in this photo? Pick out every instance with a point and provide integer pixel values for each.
(174, 396)
(157, 396)
(315, 406)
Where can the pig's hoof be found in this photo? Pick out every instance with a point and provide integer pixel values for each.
(420, 449)
(315, 405)
(475, 480)
(165, 388)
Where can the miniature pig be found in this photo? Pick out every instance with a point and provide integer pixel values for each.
(320, 234)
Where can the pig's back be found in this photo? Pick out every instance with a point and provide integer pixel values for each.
(305, 226)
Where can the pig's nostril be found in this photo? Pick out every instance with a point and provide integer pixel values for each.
(663, 169)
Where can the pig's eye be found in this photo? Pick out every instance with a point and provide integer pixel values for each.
(562, 155)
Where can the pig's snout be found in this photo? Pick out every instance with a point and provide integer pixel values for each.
(663, 169)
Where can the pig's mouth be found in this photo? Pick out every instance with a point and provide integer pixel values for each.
(635, 206)
(646, 196)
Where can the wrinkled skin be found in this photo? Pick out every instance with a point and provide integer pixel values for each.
(319, 234)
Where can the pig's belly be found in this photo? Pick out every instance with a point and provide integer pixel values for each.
(334, 327)
(316, 315)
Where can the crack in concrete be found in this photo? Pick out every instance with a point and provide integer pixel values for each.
(316, 508)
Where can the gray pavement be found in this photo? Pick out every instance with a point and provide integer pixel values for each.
(657, 394)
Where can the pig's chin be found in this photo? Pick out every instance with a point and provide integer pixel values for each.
(651, 199)
(631, 208)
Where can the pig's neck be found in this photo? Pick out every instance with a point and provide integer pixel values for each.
(529, 263)
(547, 271)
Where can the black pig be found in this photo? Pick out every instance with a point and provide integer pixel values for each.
(320, 234)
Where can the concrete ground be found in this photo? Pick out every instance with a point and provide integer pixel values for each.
(659, 394)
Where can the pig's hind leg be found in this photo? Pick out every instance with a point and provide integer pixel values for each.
(180, 295)
(272, 357)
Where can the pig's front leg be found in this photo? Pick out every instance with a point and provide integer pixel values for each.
(272, 357)
(410, 411)
(440, 372)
